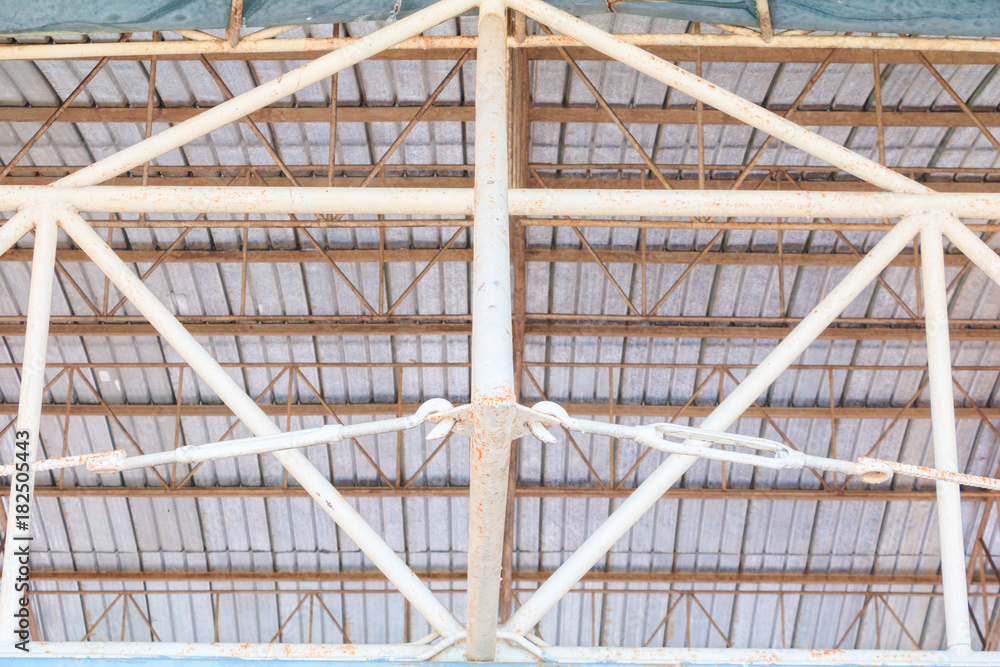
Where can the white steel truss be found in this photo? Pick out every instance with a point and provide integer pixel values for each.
(494, 418)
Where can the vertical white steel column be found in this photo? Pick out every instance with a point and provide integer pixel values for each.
(949, 505)
(493, 398)
(29, 413)
(727, 412)
(244, 407)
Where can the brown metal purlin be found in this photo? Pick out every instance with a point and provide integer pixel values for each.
(868, 598)
(150, 99)
(879, 110)
(711, 620)
(899, 622)
(54, 116)
(111, 413)
(684, 274)
(281, 627)
(793, 108)
(334, 110)
(79, 290)
(215, 617)
(898, 299)
(47, 387)
(699, 107)
(569, 436)
(426, 462)
(651, 411)
(107, 280)
(673, 418)
(350, 285)
(417, 117)
(833, 423)
(99, 618)
(177, 420)
(612, 115)
(694, 262)
(147, 621)
(891, 426)
(357, 444)
(423, 272)
(978, 542)
(590, 250)
(69, 404)
(958, 100)
(764, 413)
(340, 628)
(533, 254)
(781, 273)
(288, 417)
(232, 427)
(156, 265)
(722, 392)
(670, 610)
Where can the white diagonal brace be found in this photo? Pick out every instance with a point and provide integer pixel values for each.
(267, 93)
(721, 99)
(12, 231)
(965, 239)
(29, 412)
(493, 399)
(741, 398)
(244, 407)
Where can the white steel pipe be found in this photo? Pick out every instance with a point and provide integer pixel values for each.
(954, 584)
(267, 93)
(493, 399)
(14, 623)
(248, 46)
(12, 230)
(721, 99)
(116, 460)
(168, 199)
(741, 398)
(526, 202)
(180, 650)
(965, 239)
(760, 657)
(244, 407)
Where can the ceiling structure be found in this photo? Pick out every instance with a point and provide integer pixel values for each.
(631, 319)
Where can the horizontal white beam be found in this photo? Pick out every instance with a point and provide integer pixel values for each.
(248, 46)
(517, 654)
(751, 657)
(524, 202)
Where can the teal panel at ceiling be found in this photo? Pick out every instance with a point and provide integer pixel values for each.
(924, 17)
